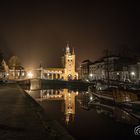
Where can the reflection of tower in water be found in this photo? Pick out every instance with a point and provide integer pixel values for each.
(69, 99)
(67, 96)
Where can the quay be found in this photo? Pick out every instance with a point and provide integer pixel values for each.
(21, 117)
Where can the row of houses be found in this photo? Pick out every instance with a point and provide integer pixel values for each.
(111, 67)
(11, 69)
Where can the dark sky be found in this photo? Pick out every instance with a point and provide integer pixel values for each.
(39, 31)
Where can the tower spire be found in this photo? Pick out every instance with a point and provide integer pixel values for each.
(73, 52)
(67, 48)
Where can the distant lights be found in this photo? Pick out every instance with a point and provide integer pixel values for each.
(91, 75)
(91, 98)
(76, 92)
(133, 73)
(30, 74)
(7, 74)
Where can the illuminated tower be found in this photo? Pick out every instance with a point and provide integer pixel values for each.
(69, 64)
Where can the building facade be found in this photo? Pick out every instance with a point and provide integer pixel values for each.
(84, 70)
(66, 72)
(113, 68)
(11, 72)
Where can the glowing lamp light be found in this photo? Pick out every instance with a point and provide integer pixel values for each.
(76, 92)
(91, 75)
(30, 74)
(133, 73)
(7, 74)
(91, 98)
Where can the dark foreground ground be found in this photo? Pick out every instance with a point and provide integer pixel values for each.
(22, 118)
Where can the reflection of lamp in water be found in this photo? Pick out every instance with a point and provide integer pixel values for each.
(30, 74)
(91, 98)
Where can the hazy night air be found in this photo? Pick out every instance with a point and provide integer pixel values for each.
(69, 69)
(39, 31)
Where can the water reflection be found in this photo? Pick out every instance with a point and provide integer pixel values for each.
(67, 96)
(87, 101)
(124, 96)
(110, 109)
(84, 111)
(116, 113)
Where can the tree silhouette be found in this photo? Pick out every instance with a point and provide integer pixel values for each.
(14, 62)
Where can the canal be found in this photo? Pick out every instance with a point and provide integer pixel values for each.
(85, 116)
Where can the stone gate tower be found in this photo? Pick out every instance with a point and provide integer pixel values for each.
(69, 64)
(67, 71)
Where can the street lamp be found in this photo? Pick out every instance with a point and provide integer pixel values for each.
(133, 73)
(30, 75)
(90, 74)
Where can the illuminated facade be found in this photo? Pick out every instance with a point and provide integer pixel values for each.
(112, 67)
(12, 73)
(67, 72)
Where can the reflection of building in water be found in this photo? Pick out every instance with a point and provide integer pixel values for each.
(116, 113)
(124, 96)
(51, 94)
(84, 99)
(67, 96)
(123, 116)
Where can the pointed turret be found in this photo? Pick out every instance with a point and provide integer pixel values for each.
(73, 52)
(67, 49)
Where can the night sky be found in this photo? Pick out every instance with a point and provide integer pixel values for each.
(39, 31)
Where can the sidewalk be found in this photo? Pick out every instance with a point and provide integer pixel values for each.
(21, 118)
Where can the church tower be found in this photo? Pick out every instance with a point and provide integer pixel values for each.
(69, 64)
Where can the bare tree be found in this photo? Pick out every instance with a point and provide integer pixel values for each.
(14, 62)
